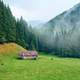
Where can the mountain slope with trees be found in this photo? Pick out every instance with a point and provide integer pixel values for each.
(62, 33)
(12, 30)
(7, 24)
(59, 36)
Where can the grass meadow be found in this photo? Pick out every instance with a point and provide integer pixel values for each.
(46, 67)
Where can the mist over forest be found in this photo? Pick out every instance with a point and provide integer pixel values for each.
(59, 36)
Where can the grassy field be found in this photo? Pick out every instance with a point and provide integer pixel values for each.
(46, 67)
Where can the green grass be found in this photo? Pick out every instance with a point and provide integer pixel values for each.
(46, 67)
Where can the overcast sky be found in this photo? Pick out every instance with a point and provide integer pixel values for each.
(39, 9)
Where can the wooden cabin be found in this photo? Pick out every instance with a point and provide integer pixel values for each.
(28, 55)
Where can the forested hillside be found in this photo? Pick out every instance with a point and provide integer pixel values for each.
(12, 30)
(7, 24)
(62, 33)
(59, 36)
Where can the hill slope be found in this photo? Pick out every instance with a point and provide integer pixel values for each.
(10, 48)
(62, 33)
(69, 18)
(46, 67)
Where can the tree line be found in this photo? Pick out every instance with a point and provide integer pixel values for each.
(12, 30)
(41, 39)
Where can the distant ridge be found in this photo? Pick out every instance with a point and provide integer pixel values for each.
(69, 18)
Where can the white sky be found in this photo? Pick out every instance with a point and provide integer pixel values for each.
(39, 9)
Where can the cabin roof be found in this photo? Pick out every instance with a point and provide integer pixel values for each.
(28, 53)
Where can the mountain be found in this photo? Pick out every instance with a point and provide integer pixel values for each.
(62, 33)
(36, 23)
(69, 18)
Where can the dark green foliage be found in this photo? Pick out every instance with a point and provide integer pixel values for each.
(14, 31)
(7, 24)
(2, 40)
(24, 34)
(21, 26)
(59, 40)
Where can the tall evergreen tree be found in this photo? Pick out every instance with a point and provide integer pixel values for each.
(7, 24)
